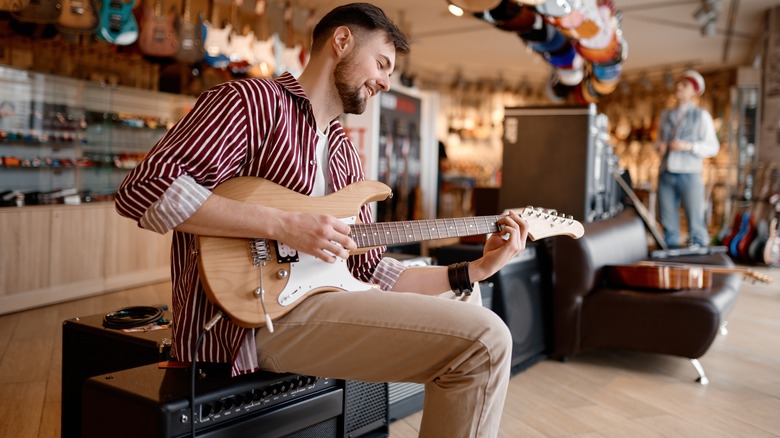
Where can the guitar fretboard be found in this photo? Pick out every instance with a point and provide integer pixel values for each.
(390, 233)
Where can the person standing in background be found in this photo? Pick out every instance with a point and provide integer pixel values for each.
(686, 136)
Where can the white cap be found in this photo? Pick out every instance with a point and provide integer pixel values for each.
(696, 79)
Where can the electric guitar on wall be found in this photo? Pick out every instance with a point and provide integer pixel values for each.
(117, 23)
(256, 281)
(39, 12)
(190, 36)
(78, 16)
(158, 32)
(771, 254)
(13, 5)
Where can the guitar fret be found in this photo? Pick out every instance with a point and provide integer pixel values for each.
(420, 231)
(432, 227)
(451, 227)
(376, 237)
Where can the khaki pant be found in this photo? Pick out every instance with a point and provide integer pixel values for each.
(460, 351)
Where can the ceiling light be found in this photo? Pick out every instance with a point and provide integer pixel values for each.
(454, 10)
(710, 29)
(707, 17)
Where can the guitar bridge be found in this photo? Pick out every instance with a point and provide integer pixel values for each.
(259, 250)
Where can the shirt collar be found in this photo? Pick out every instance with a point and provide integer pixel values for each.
(291, 84)
(288, 81)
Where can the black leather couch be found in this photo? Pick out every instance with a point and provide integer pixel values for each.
(588, 313)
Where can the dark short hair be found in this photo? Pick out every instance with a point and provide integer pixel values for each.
(359, 16)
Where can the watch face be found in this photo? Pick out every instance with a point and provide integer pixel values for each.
(555, 8)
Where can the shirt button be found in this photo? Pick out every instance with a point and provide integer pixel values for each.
(312, 162)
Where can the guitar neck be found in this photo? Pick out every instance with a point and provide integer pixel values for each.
(715, 269)
(391, 233)
(712, 268)
(187, 5)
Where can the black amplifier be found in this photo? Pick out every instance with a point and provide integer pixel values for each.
(151, 402)
(89, 349)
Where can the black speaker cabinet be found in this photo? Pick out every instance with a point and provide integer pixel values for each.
(88, 350)
(520, 296)
(549, 160)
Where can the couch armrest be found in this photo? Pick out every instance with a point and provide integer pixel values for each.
(576, 270)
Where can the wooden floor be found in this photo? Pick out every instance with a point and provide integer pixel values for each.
(600, 394)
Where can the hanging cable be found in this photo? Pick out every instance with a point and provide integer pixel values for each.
(194, 369)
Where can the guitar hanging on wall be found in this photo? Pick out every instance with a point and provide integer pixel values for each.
(117, 23)
(256, 281)
(158, 32)
(78, 16)
(190, 36)
(37, 19)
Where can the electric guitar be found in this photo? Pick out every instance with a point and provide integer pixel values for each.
(772, 247)
(217, 45)
(265, 62)
(158, 32)
(78, 16)
(255, 281)
(190, 37)
(13, 5)
(39, 12)
(117, 22)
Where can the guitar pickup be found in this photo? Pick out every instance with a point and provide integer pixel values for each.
(285, 254)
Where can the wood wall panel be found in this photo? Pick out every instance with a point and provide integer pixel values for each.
(24, 245)
(76, 251)
(58, 253)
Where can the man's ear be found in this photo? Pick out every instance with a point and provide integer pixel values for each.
(342, 40)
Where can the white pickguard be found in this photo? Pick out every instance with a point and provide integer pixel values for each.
(310, 273)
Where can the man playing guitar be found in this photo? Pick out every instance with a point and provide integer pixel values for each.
(286, 131)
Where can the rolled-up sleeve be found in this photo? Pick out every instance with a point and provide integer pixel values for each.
(387, 272)
(177, 204)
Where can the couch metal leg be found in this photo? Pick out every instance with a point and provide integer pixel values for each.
(724, 329)
(699, 369)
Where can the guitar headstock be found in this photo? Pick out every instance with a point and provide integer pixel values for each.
(547, 223)
(757, 276)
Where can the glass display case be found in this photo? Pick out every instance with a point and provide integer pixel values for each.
(67, 141)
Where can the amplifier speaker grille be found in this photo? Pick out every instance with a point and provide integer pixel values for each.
(324, 429)
(365, 407)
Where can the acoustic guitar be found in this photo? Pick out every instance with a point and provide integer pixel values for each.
(255, 281)
(662, 276)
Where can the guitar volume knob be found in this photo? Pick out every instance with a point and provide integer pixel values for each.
(282, 274)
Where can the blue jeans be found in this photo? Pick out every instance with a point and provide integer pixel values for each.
(687, 189)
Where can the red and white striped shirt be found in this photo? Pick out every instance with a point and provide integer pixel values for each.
(252, 127)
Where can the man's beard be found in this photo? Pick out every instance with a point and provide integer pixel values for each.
(351, 99)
